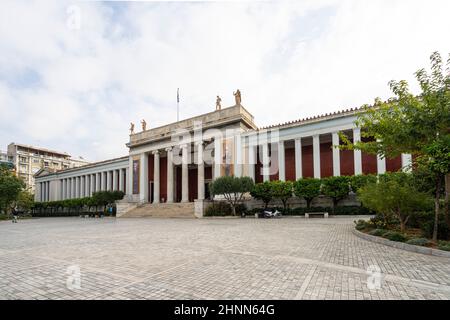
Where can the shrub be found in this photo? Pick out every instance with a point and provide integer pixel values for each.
(444, 245)
(343, 210)
(377, 232)
(418, 241)
(394, 236)
(360, 180)
(394, 196)
(222, 208)
(443, 230)
(360, 224)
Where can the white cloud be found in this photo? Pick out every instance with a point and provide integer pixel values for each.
(290, 60)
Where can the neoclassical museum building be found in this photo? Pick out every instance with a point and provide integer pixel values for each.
(168, 168)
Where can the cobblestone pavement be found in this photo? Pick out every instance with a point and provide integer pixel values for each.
(289, 258)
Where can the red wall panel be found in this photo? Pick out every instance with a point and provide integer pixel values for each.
(394, 164)
(289, 163)
(347, 162)
(369, 163)
(326, 160)
(307, 162)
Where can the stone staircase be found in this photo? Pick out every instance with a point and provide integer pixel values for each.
(161, 210)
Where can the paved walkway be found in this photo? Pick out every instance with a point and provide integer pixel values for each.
(289, 258)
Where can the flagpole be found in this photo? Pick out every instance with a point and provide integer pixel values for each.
(178, 104)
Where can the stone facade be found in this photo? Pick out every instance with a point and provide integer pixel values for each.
(176, 162)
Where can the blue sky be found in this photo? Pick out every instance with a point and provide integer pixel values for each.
(75, 87)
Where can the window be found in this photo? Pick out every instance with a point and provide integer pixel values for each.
(46, 164)
(23, 159)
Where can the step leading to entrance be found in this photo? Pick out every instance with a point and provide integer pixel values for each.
(162, 210)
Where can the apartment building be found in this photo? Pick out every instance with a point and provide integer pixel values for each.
(30, 159)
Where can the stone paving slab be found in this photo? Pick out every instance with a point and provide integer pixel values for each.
(288, 258)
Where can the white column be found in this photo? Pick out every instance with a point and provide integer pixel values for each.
(238, 156)
(357, 153)
(121, 179)
(83, 186)
(130, 177)
(406, 162)
(336, 154)
(143, 179)
(63, 189)
(298, 159)
(281, 162)
(91, 184)
(217, 157)
(114, 180)
(68, 189)
(104, 180)
(200, 172)
(184, 175)
(127, 174)
(265, 161)
(251, 161)
(111, 180)
(98, 178)
(381, 164)
(74, 187)
(77, 187)
(316, 155)
(156, 177)
(169, 175)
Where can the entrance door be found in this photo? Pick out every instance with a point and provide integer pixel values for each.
(150, 190)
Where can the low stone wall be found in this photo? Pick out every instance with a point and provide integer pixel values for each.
(402, 245)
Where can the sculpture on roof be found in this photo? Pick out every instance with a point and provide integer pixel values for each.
(131, 128)
(237, 97)
(144, 125)
(218, 105)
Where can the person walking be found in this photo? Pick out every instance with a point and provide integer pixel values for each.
(15, 214)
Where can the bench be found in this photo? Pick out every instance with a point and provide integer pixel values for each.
(307, 214)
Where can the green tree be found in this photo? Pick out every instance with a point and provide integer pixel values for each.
(308, 189)
(25, 200)
(282, 190)
(10, 187)
(394, 196)
(103, 198)
(336, 188)
(232, 188)
(415, 124)
(263, 191)
(360, 180)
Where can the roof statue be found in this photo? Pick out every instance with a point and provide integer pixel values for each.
(237, 97)
(218, 105)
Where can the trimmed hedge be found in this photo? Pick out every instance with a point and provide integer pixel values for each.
(76, 207)
(222, 209)
(394, 236)
(342, 210)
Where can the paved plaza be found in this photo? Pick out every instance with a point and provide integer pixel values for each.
(288, 258)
